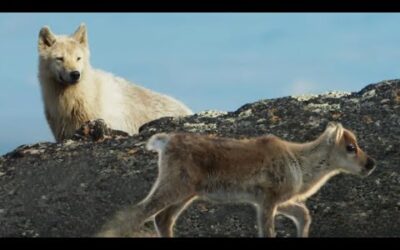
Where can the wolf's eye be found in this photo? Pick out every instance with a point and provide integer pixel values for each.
(351, 148)
(60, 58)
(78, 58)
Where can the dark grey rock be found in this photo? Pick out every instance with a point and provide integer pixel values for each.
(70, 189)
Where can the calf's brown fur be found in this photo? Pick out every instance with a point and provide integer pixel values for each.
(275, 175)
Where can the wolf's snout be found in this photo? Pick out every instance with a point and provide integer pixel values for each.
(75, 75)
(370, 164)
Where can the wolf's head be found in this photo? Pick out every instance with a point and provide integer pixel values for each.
(64, 58)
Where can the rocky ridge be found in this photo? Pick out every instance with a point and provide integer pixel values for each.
(70, 189)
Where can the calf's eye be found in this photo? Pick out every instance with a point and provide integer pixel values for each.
(78, 58)
(351, 148)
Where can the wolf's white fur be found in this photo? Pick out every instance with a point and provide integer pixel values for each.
(69, 103)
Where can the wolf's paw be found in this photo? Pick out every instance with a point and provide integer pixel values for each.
(96, 130)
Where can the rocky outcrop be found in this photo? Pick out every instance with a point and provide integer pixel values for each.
(70, 189)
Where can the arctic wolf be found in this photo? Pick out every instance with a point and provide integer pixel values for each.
(276, 176)
(74, 92)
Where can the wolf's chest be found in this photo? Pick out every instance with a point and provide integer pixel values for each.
(69, 111)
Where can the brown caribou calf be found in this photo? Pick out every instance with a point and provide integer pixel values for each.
(275, 175)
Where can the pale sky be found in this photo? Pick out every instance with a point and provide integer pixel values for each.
(207, 60)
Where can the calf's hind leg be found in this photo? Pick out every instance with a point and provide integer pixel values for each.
(165, 220)
(129, 220)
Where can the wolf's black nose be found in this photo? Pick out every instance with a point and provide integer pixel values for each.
(75, 75)
(370, 164)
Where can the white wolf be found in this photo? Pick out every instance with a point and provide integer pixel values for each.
(74, 92)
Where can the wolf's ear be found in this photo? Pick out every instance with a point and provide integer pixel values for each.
(81, 35)
(46, 38)
(333, 132)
